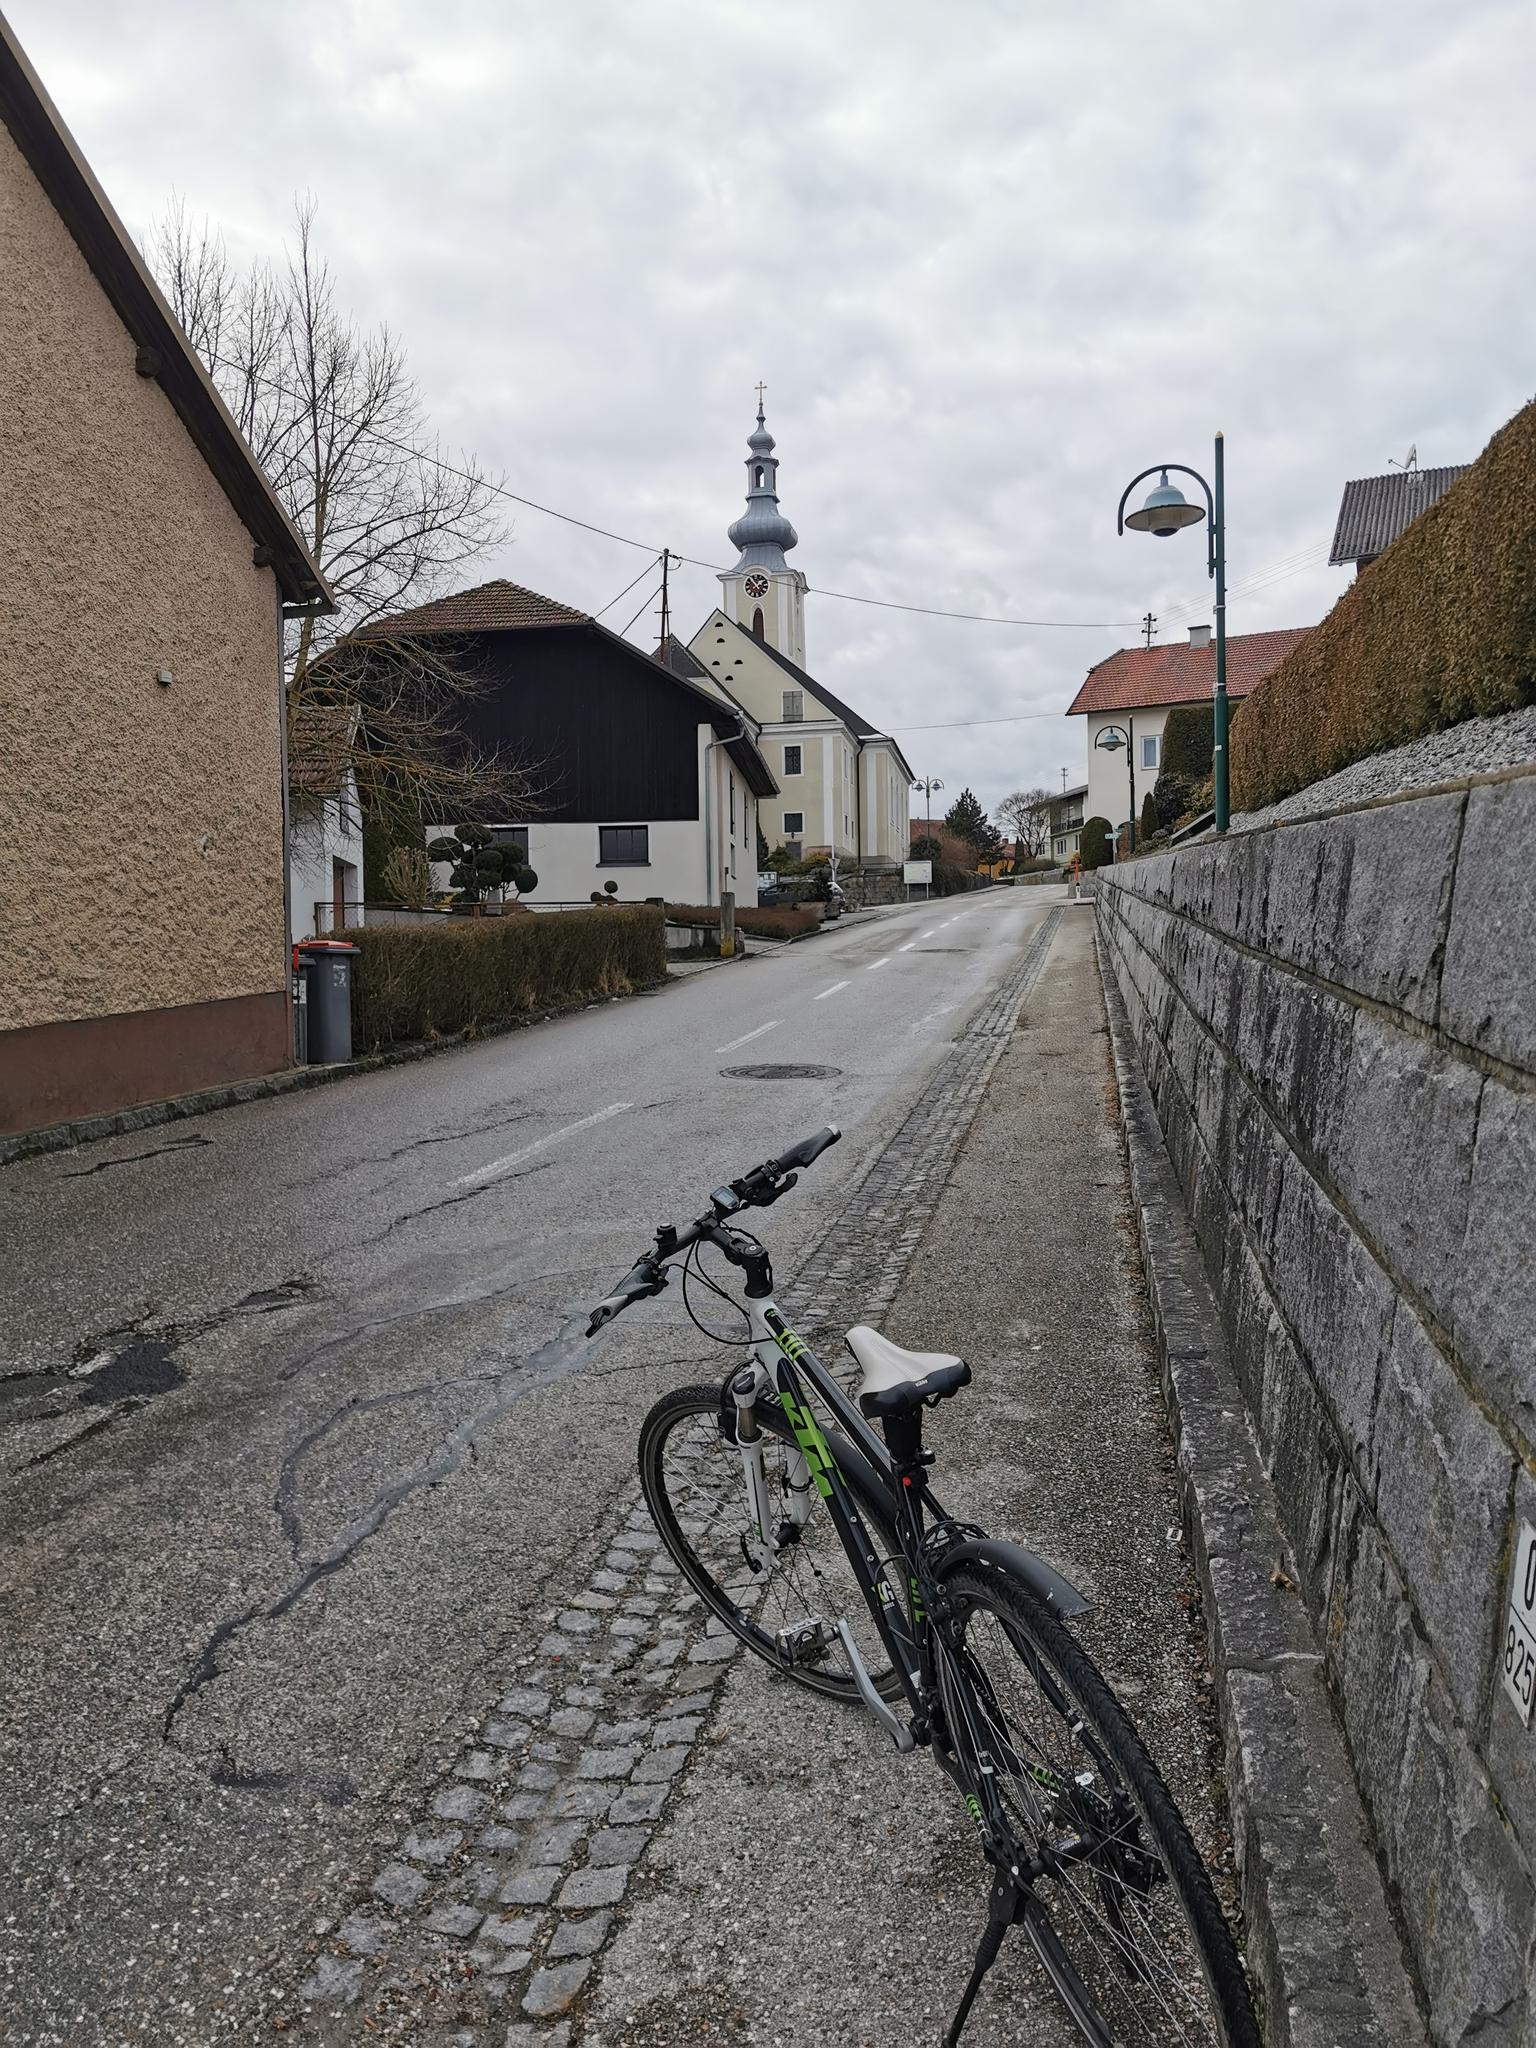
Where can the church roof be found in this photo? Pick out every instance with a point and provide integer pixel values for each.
(859, 727)
(762, 534)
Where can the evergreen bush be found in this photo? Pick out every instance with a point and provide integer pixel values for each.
(1440, 628)
(1094, 848)
(427, 981)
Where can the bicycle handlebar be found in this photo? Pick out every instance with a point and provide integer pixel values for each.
(758, 1189)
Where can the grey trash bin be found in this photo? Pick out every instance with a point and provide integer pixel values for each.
(330, 999)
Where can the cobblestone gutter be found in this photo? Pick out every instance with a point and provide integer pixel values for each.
(488, 1919)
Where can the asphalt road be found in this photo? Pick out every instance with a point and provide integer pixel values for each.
(299, 1428)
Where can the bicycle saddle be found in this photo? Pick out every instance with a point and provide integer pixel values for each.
(894, 1381)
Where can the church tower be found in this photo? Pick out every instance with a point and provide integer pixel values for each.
(761, 591)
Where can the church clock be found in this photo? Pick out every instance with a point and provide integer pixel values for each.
(756, 584)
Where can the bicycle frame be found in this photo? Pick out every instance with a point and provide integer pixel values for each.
(782, 1364)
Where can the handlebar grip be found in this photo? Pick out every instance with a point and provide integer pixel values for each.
(807, 1150)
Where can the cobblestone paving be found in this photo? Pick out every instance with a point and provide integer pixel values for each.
(488, 1918)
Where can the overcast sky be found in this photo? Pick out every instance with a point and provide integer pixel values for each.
(991, 259)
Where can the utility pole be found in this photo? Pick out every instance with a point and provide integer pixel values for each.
(666, 558)
(1149, 626)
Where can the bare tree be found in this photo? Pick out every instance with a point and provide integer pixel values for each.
(1027, 815)
(336, 420)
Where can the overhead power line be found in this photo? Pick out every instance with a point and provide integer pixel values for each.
(627, 540)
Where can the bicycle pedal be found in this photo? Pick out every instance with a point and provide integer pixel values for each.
(802, 1641)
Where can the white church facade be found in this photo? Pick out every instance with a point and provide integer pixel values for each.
(844, 786)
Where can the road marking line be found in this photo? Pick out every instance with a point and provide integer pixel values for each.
(927, 935)
(878, 963)
(907, 947)
(832, 991)
(747, 1037)
(497, 1166)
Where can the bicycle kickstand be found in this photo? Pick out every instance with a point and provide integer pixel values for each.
(1003, 1910)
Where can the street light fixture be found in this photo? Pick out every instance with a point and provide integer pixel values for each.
(1166, 511)
(1112, 738)
(928, 784)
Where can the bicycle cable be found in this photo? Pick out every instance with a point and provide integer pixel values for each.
(692, 1264)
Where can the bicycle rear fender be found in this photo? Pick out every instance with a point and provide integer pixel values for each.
(1059, 1594)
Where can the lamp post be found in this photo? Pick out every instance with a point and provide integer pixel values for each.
(1165, 511)
(1112, 738)
(928, 784)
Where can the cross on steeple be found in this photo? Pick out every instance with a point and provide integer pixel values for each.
(760, 390)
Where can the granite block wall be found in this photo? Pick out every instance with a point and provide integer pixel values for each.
(1337, 1022)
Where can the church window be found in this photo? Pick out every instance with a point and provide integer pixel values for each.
(791, 760)
(757, 621)
(758, 477)
(794, 706)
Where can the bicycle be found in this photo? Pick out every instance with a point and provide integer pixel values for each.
(960, 1643)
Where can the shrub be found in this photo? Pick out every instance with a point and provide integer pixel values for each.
(1440, 628)
(1188, 740)
(1094, 847)
(782, 921)
(425, 981)
(407, 878)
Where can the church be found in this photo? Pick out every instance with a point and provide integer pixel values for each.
(844, 786)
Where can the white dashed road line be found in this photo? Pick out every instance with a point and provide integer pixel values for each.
(885, 962)
(907, 947)
(747, 1037)
(928, 935)
(832, 991)
(499, 1166)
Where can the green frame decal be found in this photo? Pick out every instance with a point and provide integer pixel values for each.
(813, 1445)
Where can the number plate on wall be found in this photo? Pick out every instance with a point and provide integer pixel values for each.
(1520, 1626)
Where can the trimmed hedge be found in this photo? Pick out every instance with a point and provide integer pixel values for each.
(471, 974)
(774, 921)
(1094, 849)
(1189, 741)
(1440, 628)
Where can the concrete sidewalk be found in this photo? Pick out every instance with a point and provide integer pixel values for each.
(809, 1884)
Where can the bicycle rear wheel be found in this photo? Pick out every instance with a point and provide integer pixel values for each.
(691, 1474)
(1130, 1932)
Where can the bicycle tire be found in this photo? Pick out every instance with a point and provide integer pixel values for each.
(700, 1406)
(1033, 1631)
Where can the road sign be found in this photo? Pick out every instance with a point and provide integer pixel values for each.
(917, 871)
(1519, 1659)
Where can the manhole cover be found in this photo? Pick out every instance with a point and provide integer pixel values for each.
(781, 1073)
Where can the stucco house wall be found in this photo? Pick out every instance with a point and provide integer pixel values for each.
(142, 945)
(1109, 789)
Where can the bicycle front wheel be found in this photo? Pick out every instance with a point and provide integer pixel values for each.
(1129, 1928)
(691, 1473)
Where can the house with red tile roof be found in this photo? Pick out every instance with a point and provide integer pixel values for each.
(1134, 691)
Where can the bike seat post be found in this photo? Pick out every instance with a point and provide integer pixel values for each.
(904, 1441)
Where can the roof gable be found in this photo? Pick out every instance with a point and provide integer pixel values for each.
(55, 160)
(1376, 509)
(1146, 678)
(495, 607)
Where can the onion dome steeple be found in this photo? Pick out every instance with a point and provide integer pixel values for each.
(762, 533)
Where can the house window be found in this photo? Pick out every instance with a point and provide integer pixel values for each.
(794, 706)
(732, 781)
(794, 824)
(791, 760)
(1149, 750)
(623, 846)
(513, 836)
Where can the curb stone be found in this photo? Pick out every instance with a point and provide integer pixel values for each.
(551, 1803)
(1323, 1948)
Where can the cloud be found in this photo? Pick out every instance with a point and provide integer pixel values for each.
(991, 260)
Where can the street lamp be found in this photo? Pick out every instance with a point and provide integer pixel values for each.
(1112, 738)
(1165, 512)
(928, 784)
